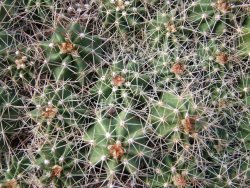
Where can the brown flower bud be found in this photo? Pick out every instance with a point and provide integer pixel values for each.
(188, 124)
(120, 4)
(116, 150)
(49, 112)
(170, 27)
(179, 180)
(223, 6)
(67, 47)
(56, 171)
(222, 58)
(11, 184)
(20, 63)
(118, 80)
(178, 68)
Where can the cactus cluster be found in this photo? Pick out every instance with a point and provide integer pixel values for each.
(124, 93)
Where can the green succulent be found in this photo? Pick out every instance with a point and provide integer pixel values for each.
(18, 64)
(171, 172)
(58, 107)
(244, 39)
(16, 172)
(244, 89)
(211, 17)
(72, 52)
(59, 163)
(244, 132)
(6, 42)
(124, 93)
(235, 174)
(119, 144)
(7, 10)
(122, 15)
(215, 57)
(37, 11)
(124, 84)
(166, 29)
(173, 114)
(11, 109)
(220, 97)
(170, 67)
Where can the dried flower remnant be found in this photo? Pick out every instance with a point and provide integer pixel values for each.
(56, 171)
(178, 68)
(67, 47)
(116, 150)
(49, 112)
(20, 63)
(222, 103)
(170, 27)
(223, 6)
(118, 80)
(11, 184)
(222, 58)
(188, 124)
(120, 4)
(179, 180)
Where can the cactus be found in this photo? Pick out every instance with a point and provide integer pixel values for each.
(37, 11)
(60, 107)
(122, 83)
(7, 9)
(244, 89)
(19, 66)
(172, 113)
(176, 173)
(215, 53)
(71, 52)
(244, 38)
(5, 42)
(170, 67)
(122, 15)
(16, 173)
(59, 165)
(11, 107)
(124, 93)
(167, 30)
(211, 16)
(119, 145)
(244, 133)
